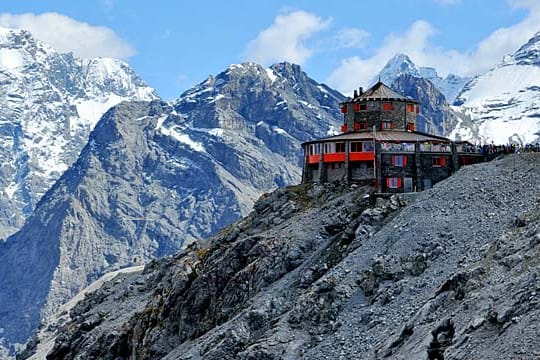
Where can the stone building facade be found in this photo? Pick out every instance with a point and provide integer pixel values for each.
(379, 144)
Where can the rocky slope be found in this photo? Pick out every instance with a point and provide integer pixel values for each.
(328, 272)
(156, 176)
(49, 103)
(502, 104)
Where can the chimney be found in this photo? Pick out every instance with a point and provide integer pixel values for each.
(361, 90)
(355, 94)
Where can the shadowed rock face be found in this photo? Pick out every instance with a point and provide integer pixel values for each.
(152, 179)
(324, 272)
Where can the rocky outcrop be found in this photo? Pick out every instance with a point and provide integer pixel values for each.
(330, 272)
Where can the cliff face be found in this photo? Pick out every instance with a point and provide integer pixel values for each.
(324, 272)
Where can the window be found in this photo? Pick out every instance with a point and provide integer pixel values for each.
(410, 126)
(439, 161)
(387, 125)
(340, 147)
(344, 128)
(314, 149)
(399, 160)
(360, 125)
(359, 107)
(393, 183)
(356, 146)
(329, 148)
(410, 107)
(387, 106)
(344, 109)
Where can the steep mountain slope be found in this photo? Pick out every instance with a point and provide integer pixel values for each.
(401, 64)
(502, 104)
(49, 103)
(152, 179)
(325, 272)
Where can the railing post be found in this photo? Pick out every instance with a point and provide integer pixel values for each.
(418, 164)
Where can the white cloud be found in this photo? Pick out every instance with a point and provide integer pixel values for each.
(66, 34)
(416, 42)
(285, 39)
(351, 38)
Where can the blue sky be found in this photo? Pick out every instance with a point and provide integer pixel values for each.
(175, 44)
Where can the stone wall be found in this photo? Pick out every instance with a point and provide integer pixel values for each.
(374, 115)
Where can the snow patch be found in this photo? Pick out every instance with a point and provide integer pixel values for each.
(271, 75)
(11, 59)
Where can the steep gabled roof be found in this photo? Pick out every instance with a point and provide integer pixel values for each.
(380, 91)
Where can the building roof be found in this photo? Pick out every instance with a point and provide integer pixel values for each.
(380, 91)
(384, 135)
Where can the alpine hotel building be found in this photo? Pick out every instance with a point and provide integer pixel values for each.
(379, 144)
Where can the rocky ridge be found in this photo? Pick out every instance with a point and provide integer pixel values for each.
(324, 272)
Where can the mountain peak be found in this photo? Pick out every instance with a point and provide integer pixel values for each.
(398, 65)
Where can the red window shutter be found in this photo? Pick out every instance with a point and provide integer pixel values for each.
(404, 160)
(388, 183)
(399, 183)
(357, 107)
(443, 161)
(344, 109)
(356, 126)
(387, 106)
(418, 109)
(343, 128)
(393, 160)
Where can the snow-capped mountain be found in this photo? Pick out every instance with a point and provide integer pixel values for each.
(401, 64)
(502, 105)
(155, 176)
(49, 103)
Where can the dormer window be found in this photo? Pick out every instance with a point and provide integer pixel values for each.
(410, 108)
